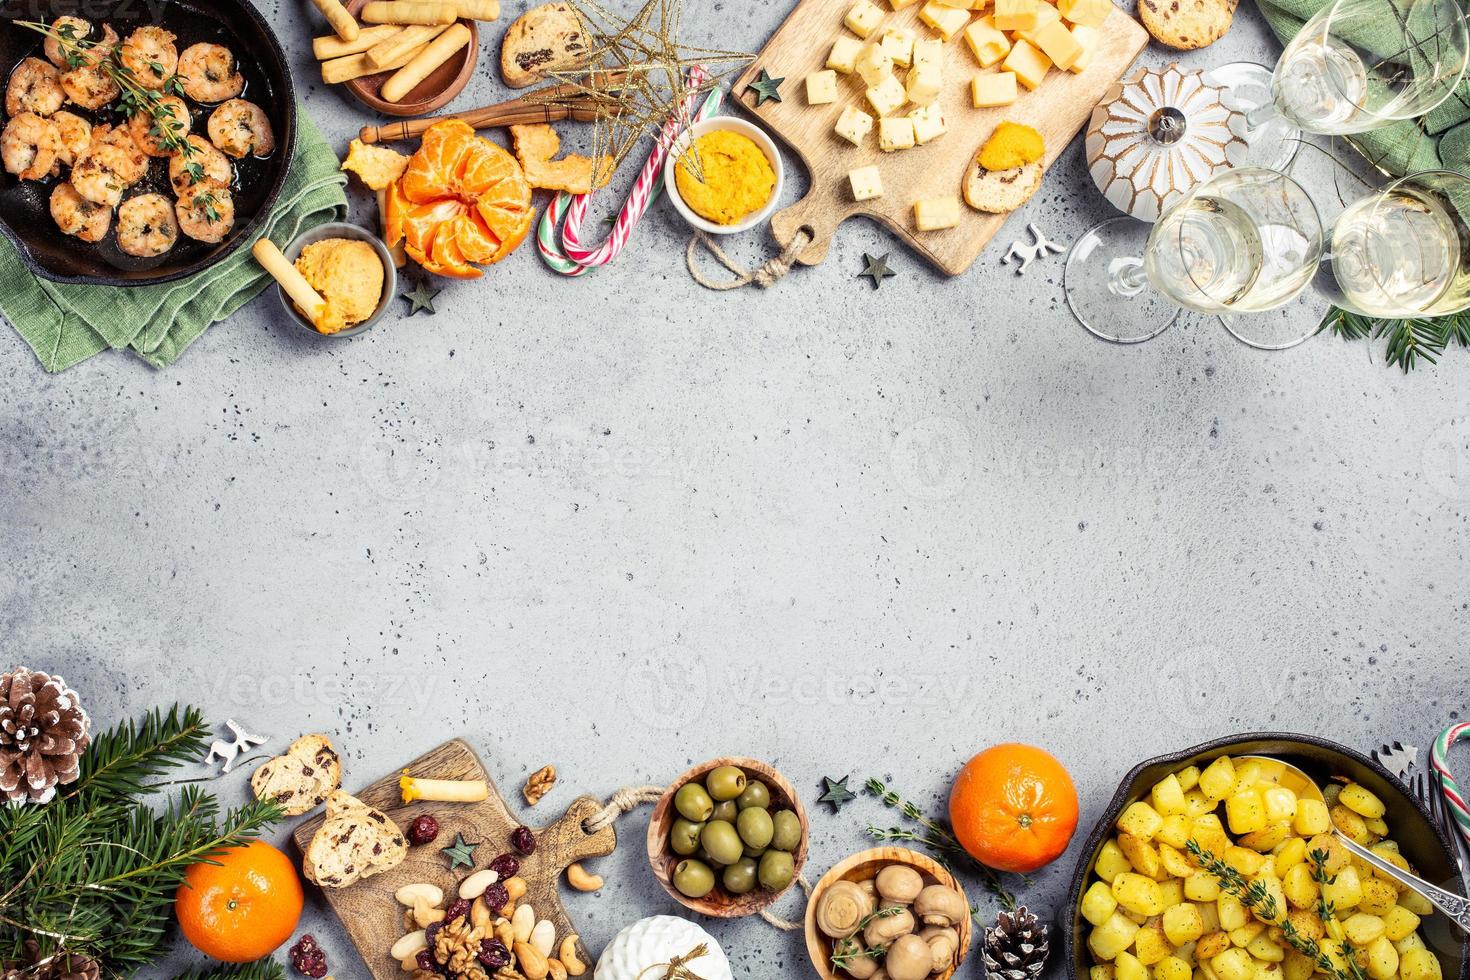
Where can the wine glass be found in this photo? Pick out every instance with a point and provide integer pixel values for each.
(1356, 66)
(1245, 240)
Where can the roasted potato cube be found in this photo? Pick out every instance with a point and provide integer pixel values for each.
(1188, 778)
(1151, 945)
(1098, 903)
(1361, 929)
(1298, 966)
(1351, 825)
(1383, 959)
(1265, 949)
(1361, 802)
(1267, 839)
(1111, 862)
(1247, 933)
(1175, 831)
(1198, 803)
(1210, 834)
(1312, 818)
(1336, 951)
(1275, 910)
(1249, 772)
(1232, 913)
(1244, 860)
(1140, 820)
(1415, 903)
(1399, 922)
(1210, 913)
(1234, 964)
(1138, 894)
(1345, 891)
(1245, 811)
(1216, 782)
(1173, 891)
(1167, 796)
(1412, 941)
(1419, 964)
(1389, 851)
(1183, 924)
(1300, 886)
(1102, 971)
(1307, 923)
(1112, 937)
(1140, 853)
(1338, 857)
(1210, 946)
(1129, 967)
(1174, 862)
(1289, 853)
(1172, 968)
(1201, 887)
(1377, 826)
(1379, 896)
(1280, 804)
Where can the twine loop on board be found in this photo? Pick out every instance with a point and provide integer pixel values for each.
(766, 275)
(625, 800)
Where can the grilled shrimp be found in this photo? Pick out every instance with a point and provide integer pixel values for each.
(111, 164)
(89, 87)
(75, 215)
(73, 28)
(30, 145)
(159, 135)
(150, 55)
(206, 214)
(76, 136)
(135, 162)
(146, 225)
(66, 56)
(241, 128)
(202, 165)
(35, 86)
(208, 73)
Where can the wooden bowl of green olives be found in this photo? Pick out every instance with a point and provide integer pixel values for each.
(728, 838)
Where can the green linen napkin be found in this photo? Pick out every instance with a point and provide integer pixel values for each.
(66, 324)
(1402, 148)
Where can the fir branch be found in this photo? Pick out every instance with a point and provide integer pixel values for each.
(1406, 342)
(266, 969)
(120, 762)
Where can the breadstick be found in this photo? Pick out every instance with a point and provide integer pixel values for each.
(440, 50)
(406, 40)
(400, 257)
(442, 790)
(410, 12)
(292, 281)
(337, 16)
(479, 9)
(332, 46)
(357, 65)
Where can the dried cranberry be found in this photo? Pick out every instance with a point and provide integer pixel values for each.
(458, 909)
(493, 954)
(523, 840)
(496, 897)
(423, 830)
(506, 865)
(431, 932)
(426, 961)
(308, 958)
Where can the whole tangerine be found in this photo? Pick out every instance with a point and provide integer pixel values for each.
(1014, 807)
(241, 906)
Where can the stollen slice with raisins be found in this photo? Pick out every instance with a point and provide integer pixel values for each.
(302, 779)
(356, 841)
(544, 38)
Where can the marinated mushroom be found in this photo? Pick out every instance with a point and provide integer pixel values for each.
(909, 958)
(943, 943)
(870, 886)
(888, 926)
(940, 906)
(842, 909)
(854, 962)
(899, 884)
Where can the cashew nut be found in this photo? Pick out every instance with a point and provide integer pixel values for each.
(409, 945)
(474, 886)
(480, 913)
(582, 880)
(410, 964)
(558, 971)
(424, 913)
(543, 937)
(532, 963)
(504, 932)
(409, 895)
(515, 889)
(568, 956)
(522, 922)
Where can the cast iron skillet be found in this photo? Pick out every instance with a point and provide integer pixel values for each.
(25, 215)
(1421, 841)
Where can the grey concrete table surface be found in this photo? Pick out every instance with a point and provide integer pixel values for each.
(623, 524)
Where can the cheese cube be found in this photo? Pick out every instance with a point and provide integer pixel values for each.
(934, 213)
(1087, 38)
(867, 183)
(979, 4)
(873, 65)
(821, 87)
(1029, 64)
(924, 85)
(1015, 15)
(1045, 14)
(962, 4)
(864, 18)
(928, 124)
(1088, 13)
(1058, 44)
(900, 4)
(948, 21)
(844, 56)
(898, 44)
(997, 88)
(854, 125)
(929, 52)
(896, 133)
(887, 98)
(986, 43)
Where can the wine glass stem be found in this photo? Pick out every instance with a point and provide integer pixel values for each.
(1261, 115)
(1128, 277)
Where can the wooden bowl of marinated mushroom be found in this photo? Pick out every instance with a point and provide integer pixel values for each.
(888, 909)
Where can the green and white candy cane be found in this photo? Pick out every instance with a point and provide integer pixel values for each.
(1454, 796)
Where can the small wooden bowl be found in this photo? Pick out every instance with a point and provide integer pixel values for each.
(719, 903)
(430, 95)
(861, 867)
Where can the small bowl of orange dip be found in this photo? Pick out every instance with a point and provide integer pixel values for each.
(724, 175)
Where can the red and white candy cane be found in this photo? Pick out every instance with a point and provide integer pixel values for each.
(1439, 760)
(575, 259)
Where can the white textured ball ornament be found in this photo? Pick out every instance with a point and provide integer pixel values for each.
(658, 939)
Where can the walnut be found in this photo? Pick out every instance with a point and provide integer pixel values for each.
(509, 973)
(539, 784)
(457, 946)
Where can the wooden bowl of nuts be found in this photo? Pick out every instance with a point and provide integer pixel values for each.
(728, 838)
(851, 934)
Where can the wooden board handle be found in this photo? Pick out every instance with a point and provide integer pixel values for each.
(815, 212)
(567, 841)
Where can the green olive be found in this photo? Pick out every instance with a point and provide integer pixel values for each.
(722, 842)
(787, 831)
(725, 783)
(694, 878)
(725, 810)
(755, 794)
(693, 803)
(756, 827)
(684, 837)
(776, 870)
(754, 852)
(741, 877)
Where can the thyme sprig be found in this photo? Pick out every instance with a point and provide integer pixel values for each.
(850, 949)
(1255, 897)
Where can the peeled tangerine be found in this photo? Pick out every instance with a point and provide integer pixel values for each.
(462, 202)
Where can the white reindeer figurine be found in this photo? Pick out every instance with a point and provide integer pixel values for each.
(1026, 254)
(230, 752)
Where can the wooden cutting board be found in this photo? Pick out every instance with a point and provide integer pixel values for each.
(374, 919)
(1058, 110)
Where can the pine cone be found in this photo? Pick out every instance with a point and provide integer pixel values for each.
(43, 733)
(65, 966)
(1017, 947)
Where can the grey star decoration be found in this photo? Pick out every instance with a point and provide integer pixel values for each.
(766, 88)
(460, 853)
(836, 793)
(876, 268)
(422, 298)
